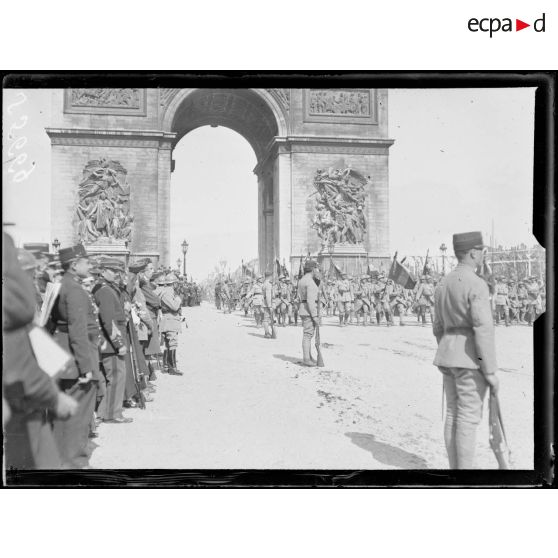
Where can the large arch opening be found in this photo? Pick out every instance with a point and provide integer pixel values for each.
(213, 201)
(253, 114)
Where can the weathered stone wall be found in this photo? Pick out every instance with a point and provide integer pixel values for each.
(131, 132)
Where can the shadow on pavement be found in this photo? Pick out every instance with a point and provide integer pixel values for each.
(257, 335)
(384, 453)
(285, 358)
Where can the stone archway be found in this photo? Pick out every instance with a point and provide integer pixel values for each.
(258, 117)
(293, 132)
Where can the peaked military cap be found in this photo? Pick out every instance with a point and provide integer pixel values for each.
(466, 241)
(139, 266)
(36, 247)
(72, 253)
(107, 262)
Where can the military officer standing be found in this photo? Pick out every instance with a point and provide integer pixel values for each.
(268, 296)
(344, 299)
(256, 297)
(76, 329)
(113, 347)
(466, 352)
(171, 322)
(502, 302)
(308, 312)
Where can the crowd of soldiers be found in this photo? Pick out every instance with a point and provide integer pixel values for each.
(374, 299)
(105, 331)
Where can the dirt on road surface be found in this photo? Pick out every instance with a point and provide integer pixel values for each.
(245, 403)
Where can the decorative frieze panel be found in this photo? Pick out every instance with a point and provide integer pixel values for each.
(283, 96)
(347, 106)
(128, 101)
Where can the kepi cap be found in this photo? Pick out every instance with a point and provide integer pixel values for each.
(468, 240)
(72, 253)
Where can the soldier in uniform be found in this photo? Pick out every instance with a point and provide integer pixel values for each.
(367, 298)
(256, 297)
(226, 297)
(513, 313)
(171, 322)
(358, 304)
(76, 329)
(522, 301)
(425, 298)
(284, 300)
(308, 294)
(268, 297)
(151, 345)
(501, 300)
(113, 347)
(295, 303)
(344, 299)
(466, 354)
(399, 303)
(218, 295)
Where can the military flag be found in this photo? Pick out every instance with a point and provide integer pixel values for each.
(334, 270)
(401, 276)
(300, 269)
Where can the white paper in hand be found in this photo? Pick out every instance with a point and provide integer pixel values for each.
(51, 358)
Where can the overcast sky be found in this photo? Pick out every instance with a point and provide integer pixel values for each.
(461, 158)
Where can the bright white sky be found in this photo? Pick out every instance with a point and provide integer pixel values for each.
(461, 159)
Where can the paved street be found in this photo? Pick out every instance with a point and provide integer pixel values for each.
(245, 403)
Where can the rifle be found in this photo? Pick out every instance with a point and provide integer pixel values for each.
(139, 393)
(319, 357)
(497, 436)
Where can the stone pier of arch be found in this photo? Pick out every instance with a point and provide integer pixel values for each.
(293, 133)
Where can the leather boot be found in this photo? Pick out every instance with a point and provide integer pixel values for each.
(165, 369)
(173, 370)
(151, 366)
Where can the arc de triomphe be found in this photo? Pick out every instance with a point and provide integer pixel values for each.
(293, 133)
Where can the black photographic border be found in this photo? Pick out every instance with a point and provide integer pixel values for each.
(543, 229)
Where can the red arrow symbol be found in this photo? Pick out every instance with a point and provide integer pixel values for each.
(519, 25)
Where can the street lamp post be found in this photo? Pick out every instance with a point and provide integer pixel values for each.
(56, 245)
(178, 261)
(184, 251)
(443, 249)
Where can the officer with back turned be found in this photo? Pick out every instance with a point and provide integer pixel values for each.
(466, 353)
(308, 295)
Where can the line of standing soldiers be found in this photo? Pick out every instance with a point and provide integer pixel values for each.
(114, 323)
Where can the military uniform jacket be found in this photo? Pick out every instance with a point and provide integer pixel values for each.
(256, 294)
(308, 294)
(111, 316)
(345, 291)
(501, 298)
(268, 294)
(152, 301)
(76, 326)
(170, 306)
(463, 323)
(425, 294)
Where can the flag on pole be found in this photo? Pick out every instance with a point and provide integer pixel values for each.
(334, 270)
(278, 269)
(300, 269)
(401, 276)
